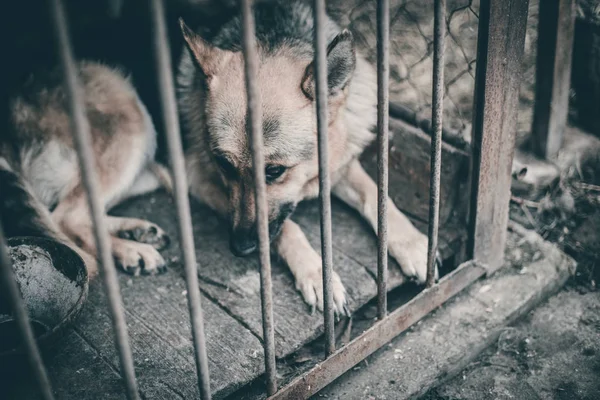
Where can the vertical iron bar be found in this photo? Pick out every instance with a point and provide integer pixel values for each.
(383, 94)
(556, 30)
(186, 234)
(12, 293)
(114, 8)
(500, 45)
(80, 130)
(321, 87)
(249, 48)
(437, 112)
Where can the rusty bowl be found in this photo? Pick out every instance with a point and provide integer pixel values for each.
(53, 281)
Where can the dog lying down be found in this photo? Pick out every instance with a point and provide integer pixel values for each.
(42, 189)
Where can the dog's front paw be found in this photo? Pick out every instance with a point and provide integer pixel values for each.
(137, 258)
(148, 233)
(310, 284)
(411, 253)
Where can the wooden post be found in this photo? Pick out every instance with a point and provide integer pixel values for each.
(553, 75)
(500, 47)
(585, 74)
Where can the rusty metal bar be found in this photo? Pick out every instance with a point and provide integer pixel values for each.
(381, 333)
(82, 139)
(437, 113)
(321, 87)
(501, 40)
(12, 294)
(249, 48)
(186, 233)
(553, 75)
(114, 8)
(383, 122)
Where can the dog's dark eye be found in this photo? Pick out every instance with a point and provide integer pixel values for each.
(272, 172)
(227, 168)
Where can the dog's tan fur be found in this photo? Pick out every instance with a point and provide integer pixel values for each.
(42, 153)
(213, 109)
(212, 104)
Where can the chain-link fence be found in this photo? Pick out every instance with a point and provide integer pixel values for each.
(411, 58)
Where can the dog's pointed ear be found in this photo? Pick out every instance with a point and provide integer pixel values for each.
(209, 58)
(341, 61)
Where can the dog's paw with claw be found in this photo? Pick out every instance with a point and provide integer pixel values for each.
(411, 254)
(310, 284)
(148, 233)
(138, 258)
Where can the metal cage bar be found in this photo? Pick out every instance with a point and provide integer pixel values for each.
(12, 293)
(500, 50)
(321, 87)
(437, 113)
(383, 121)
(186, 233)
(82, 139)
(249, 49)
(115, 7)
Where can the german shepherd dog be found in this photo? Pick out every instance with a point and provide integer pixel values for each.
(212, 106)
(40, 183)
(42, 191)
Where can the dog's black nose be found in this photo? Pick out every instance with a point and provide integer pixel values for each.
(242, 242)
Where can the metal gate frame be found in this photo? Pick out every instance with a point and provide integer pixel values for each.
(499, 54)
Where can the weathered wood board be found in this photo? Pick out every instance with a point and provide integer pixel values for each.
(409, 170)
(76, 370)
(156, 307)
(159, 328)
(160, 335)
(234, 283)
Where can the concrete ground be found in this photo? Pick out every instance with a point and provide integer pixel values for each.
(552, 353)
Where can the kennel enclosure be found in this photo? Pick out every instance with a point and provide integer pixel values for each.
(254, 328)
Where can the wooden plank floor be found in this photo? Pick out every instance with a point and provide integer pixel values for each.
(85, 366)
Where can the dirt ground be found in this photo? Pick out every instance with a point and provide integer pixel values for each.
(554, 352)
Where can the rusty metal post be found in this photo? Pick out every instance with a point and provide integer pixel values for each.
(11, 292)
(553, 75)
(186, 234)
(114, 8)
(437, 113)
(249, 48)
(383, 121)
(499, 65)
(320, 46)
(82, 138)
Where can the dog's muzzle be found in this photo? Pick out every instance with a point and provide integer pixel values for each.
(243, 242)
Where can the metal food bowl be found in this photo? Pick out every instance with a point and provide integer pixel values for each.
(53, 281)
